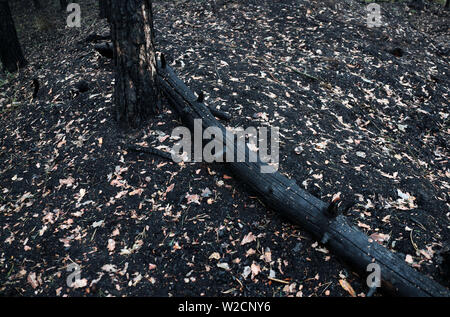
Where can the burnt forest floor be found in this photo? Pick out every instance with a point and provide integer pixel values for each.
(361, 111)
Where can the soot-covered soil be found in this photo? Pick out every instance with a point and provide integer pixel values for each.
(361, 111)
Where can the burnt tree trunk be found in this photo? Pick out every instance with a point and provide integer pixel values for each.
(292, 202)
(37, 4)
(63, 4)
(136, 93)
(11, 54)
(447, 4)
(105, 9)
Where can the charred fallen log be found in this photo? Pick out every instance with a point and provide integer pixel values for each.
(220, 114)
(311, 213)
(94, 37)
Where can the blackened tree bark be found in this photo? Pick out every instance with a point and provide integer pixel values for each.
(447, 4)
(105, 9)
(63, 4)
(136, 93)
(37, 4)
(10, 51)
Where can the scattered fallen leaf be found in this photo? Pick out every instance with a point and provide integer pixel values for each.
(224, 266)
(255, 269)
(31, 279)
(248, 238)
(409, 259)
(111, 245)
(215, 256)
(346, 286)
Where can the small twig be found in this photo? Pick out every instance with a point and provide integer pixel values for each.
(277, 280)
(303, 73)
(420, 225)
(328, 285)
(217, 72)
(198, 217)
(412, 241)
(149, 150)
(240, 283)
